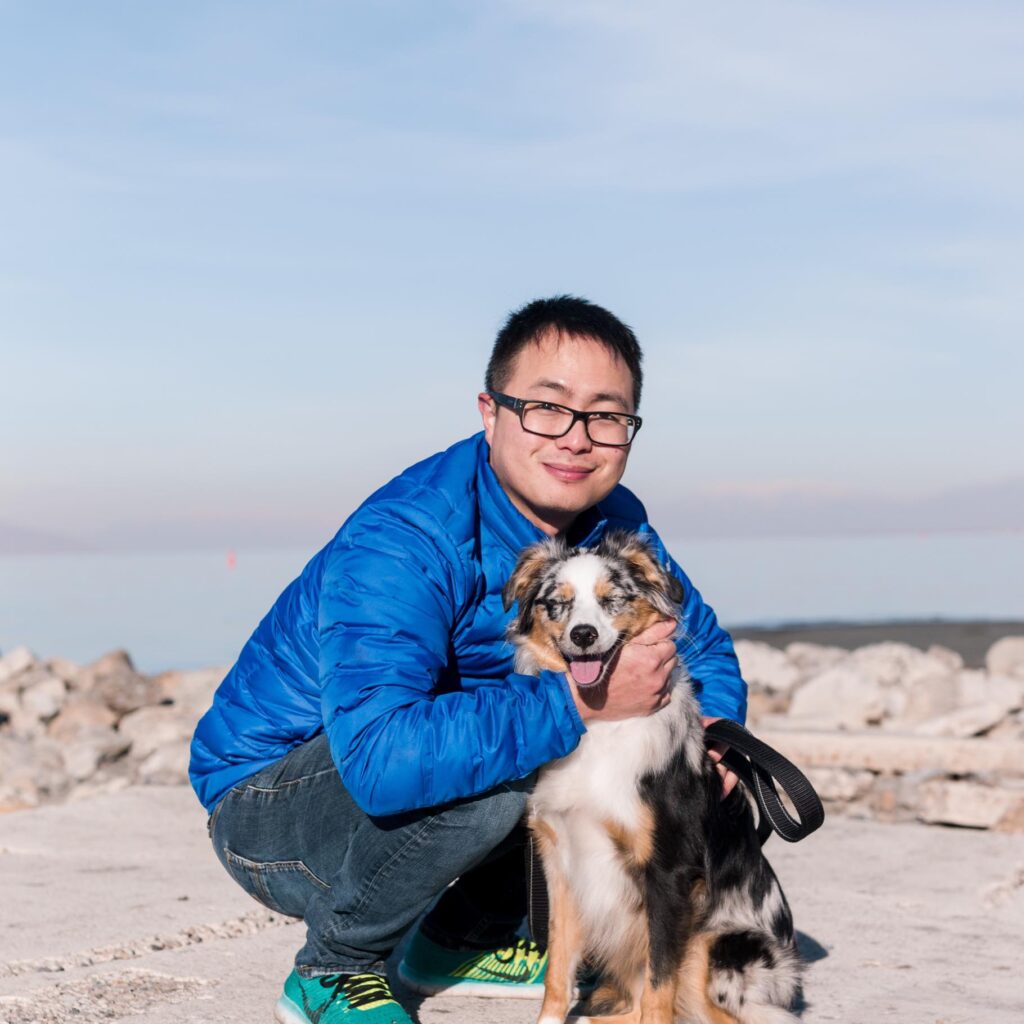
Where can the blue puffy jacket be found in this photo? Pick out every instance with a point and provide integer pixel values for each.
(393, 640)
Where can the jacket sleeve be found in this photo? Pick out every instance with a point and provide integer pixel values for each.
(706, 650)
(388, 606)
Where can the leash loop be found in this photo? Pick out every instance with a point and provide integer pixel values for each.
(759, 766)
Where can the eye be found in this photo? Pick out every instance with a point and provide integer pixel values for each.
(611, 603)
(554, 608)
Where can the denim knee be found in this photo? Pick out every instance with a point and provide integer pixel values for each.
(492, 815)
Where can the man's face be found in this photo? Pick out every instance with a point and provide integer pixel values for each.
(552, 480)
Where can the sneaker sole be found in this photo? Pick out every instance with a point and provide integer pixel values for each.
(477, 989)
(286, 1012)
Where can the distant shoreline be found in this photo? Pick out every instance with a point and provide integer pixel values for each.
(970, 639)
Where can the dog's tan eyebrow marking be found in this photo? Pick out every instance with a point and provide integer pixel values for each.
(603, 588)
(565, 591)
(638, 615)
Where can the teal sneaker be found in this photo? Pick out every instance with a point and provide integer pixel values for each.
(511, 972)
(339, 999)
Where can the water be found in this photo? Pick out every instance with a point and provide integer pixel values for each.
(187, 610)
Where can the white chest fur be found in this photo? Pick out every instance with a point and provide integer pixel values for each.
(600, 777)
(578, 796)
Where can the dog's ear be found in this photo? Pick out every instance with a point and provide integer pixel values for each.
(524, 583)
(526, 574)
(675, 589)
(648, 573)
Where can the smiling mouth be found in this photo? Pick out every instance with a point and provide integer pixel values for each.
(568, 473)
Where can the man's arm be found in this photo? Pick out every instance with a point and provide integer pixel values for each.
(388, 605)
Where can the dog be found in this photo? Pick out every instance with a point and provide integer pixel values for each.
(653, 878)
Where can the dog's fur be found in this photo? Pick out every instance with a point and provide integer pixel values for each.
(652, 877)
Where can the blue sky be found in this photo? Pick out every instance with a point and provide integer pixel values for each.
(252, 255)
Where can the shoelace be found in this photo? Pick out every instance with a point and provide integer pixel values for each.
(358, 989)
(525, 948)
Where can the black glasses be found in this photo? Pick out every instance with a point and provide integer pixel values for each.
(616, 429)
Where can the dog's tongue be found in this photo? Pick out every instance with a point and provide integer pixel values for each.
(585, 670)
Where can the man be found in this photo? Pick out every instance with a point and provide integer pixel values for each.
(372, 744)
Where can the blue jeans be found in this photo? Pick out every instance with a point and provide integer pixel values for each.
(294, 839)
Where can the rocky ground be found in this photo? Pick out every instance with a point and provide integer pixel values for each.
(115, 909)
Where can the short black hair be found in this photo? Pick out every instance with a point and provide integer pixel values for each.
(567, 316)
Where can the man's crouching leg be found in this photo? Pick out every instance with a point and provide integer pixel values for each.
(292, 836)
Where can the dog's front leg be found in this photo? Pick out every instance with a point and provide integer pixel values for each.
(564, 932)
(658, 1002)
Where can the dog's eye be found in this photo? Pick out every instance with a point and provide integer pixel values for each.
(611, 603)
(554, 608)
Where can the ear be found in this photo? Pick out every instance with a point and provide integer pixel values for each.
(638, 554)
(524, 583)
(488, 410)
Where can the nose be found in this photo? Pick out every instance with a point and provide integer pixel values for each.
(576, 440)
(583, 636)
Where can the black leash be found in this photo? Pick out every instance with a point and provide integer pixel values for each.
(537, 907)
(759, 767)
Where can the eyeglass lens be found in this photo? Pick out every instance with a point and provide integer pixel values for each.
(611, 428)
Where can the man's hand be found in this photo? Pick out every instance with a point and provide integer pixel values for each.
(639, 680)
(715, 752)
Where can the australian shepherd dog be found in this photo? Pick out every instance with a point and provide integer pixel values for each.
(653, 878)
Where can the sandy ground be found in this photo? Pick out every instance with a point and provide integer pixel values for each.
(115, 909)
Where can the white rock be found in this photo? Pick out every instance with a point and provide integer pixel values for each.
(1006, 657)
(153, 727)
(894, 700)
(842, 696)
(921, 700)
(890, 663)
(950, 658)
(167, 765)
(80, 712)
(814, 658)
(958, 802)
(881, 752)
(975, 686)
(1010, 728)
(15, 720)
(10, 705)
(44, 698)
(766, 668)
(113, 680)
(30, 771)
(67, 670)
(191, 692)
(839, 783)
(84, 754)
(14, 662)
(973, 720)
(111, 663)
(80, 760)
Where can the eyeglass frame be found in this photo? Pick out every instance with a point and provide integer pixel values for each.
(518, 406)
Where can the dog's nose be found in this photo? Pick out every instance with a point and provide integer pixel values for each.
(583, 636)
